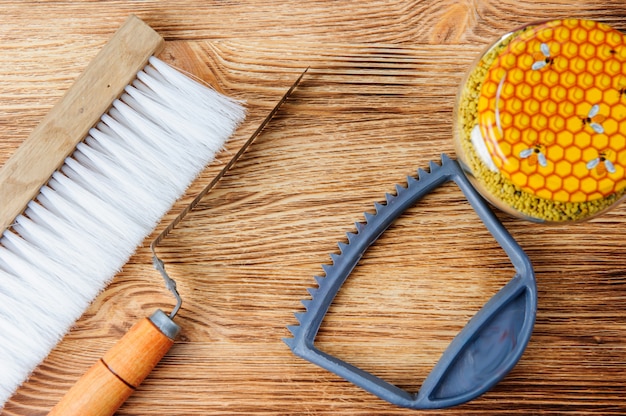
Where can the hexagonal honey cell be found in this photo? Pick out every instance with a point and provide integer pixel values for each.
(553, 111)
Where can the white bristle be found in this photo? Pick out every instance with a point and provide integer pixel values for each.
(93, 213)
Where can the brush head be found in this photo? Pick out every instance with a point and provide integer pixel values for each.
(99, 206)
(69, 121)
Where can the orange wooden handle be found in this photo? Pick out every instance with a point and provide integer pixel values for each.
(104, 387)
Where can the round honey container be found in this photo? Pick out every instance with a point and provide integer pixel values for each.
(540, 121)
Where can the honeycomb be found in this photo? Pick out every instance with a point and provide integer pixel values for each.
(552, 111)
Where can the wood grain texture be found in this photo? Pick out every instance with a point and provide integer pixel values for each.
(113, 378)
(98, 392)
(375, 106)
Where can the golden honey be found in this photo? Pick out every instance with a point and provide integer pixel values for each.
(540, 121)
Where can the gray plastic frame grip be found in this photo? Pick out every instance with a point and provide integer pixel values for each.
(485, 350)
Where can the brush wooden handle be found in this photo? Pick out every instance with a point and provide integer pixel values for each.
(69, 121)
(109, 382)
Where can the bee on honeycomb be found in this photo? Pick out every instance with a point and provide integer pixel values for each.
(541, 121)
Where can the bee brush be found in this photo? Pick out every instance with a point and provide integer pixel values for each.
(91, 182)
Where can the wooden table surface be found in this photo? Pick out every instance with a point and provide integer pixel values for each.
(375, 106)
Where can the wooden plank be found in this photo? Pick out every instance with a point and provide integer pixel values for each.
(369, 112)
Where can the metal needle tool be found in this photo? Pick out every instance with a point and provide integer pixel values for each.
(158, 263)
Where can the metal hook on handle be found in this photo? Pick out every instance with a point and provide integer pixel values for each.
(170, 283)
(111, 380)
